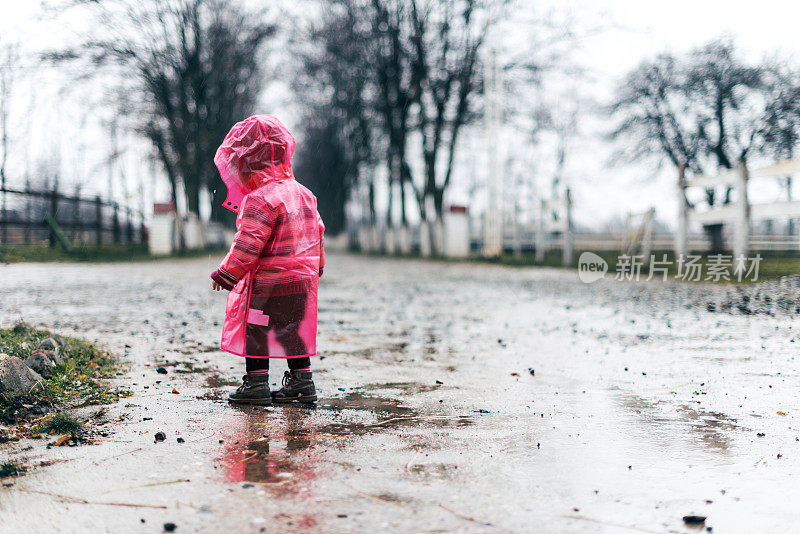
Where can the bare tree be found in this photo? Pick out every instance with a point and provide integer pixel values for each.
(411, 70)
(706, 110)
(333, 84)
(186, 70)
(446, 38)
(9, 62)
(362, 78)
(782, 118)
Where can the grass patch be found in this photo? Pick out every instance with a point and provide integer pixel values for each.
(11, 469)
(79, 379)
(62, 423)
(88, 253)
(773, 265)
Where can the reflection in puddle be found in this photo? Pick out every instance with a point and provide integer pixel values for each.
(270, 448)
(710, 428)
(281, 449)
(344, 418)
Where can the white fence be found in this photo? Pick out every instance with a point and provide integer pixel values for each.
(167, 231)
(739, 214)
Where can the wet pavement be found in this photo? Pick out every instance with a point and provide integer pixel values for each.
(453, 398)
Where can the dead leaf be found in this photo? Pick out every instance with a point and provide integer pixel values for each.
(175, 391)
(62, 440)
(514, 374)
(781, 413)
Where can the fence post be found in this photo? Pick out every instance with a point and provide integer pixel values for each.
(647, 237)
(5, 213)
(681, 233)
(53, 212)
(540, 235)
(568, 245)
(28, 211)
(76, 235)
(98, 218)
(741, 238)
(115, 224)
(129, 227)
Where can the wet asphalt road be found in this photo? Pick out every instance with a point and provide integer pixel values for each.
(643, 407)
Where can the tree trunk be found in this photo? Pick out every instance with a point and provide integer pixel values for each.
(715, 240)
(193, 196)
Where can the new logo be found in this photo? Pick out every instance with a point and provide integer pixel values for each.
(591, 267)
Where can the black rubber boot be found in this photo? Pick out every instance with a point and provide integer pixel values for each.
(254, 390)
(297, 386)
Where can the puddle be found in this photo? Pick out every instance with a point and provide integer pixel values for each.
(218, 381)
(185, 366)
(711, 429)
(435, 470)
(281, 449)
(405, 387)
(271, 448)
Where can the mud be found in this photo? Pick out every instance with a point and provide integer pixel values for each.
(644, 408)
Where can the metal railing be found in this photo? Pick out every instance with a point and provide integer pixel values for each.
(82, 221)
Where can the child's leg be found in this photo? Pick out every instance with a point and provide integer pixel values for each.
(256, 343)
(257, 366)
(299, 364)
(297, 382)
(286, 314)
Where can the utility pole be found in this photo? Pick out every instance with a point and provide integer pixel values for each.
(682, 232)
(5, 93)
(493, 225)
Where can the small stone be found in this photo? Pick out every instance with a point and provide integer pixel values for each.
(760, 434)
(180, 440)
(161, 371)
(694, 519)
(170, 527)
(62, 342)
(39, 362)
(49, 344)
(16, 378)
(160, 436)
(439, 382)
(53, 355)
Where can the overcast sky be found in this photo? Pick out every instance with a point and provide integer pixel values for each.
(633, 30)
(640, 30)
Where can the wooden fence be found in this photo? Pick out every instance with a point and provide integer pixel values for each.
(23, 214)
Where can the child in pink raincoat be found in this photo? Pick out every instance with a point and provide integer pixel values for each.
(272, 270)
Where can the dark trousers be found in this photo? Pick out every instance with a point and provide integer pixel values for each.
(285, 312)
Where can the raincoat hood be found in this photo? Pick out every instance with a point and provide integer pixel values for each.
(256, 151)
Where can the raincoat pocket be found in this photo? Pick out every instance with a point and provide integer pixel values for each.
(233, 330)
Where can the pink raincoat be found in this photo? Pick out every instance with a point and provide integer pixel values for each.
(274, 263)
